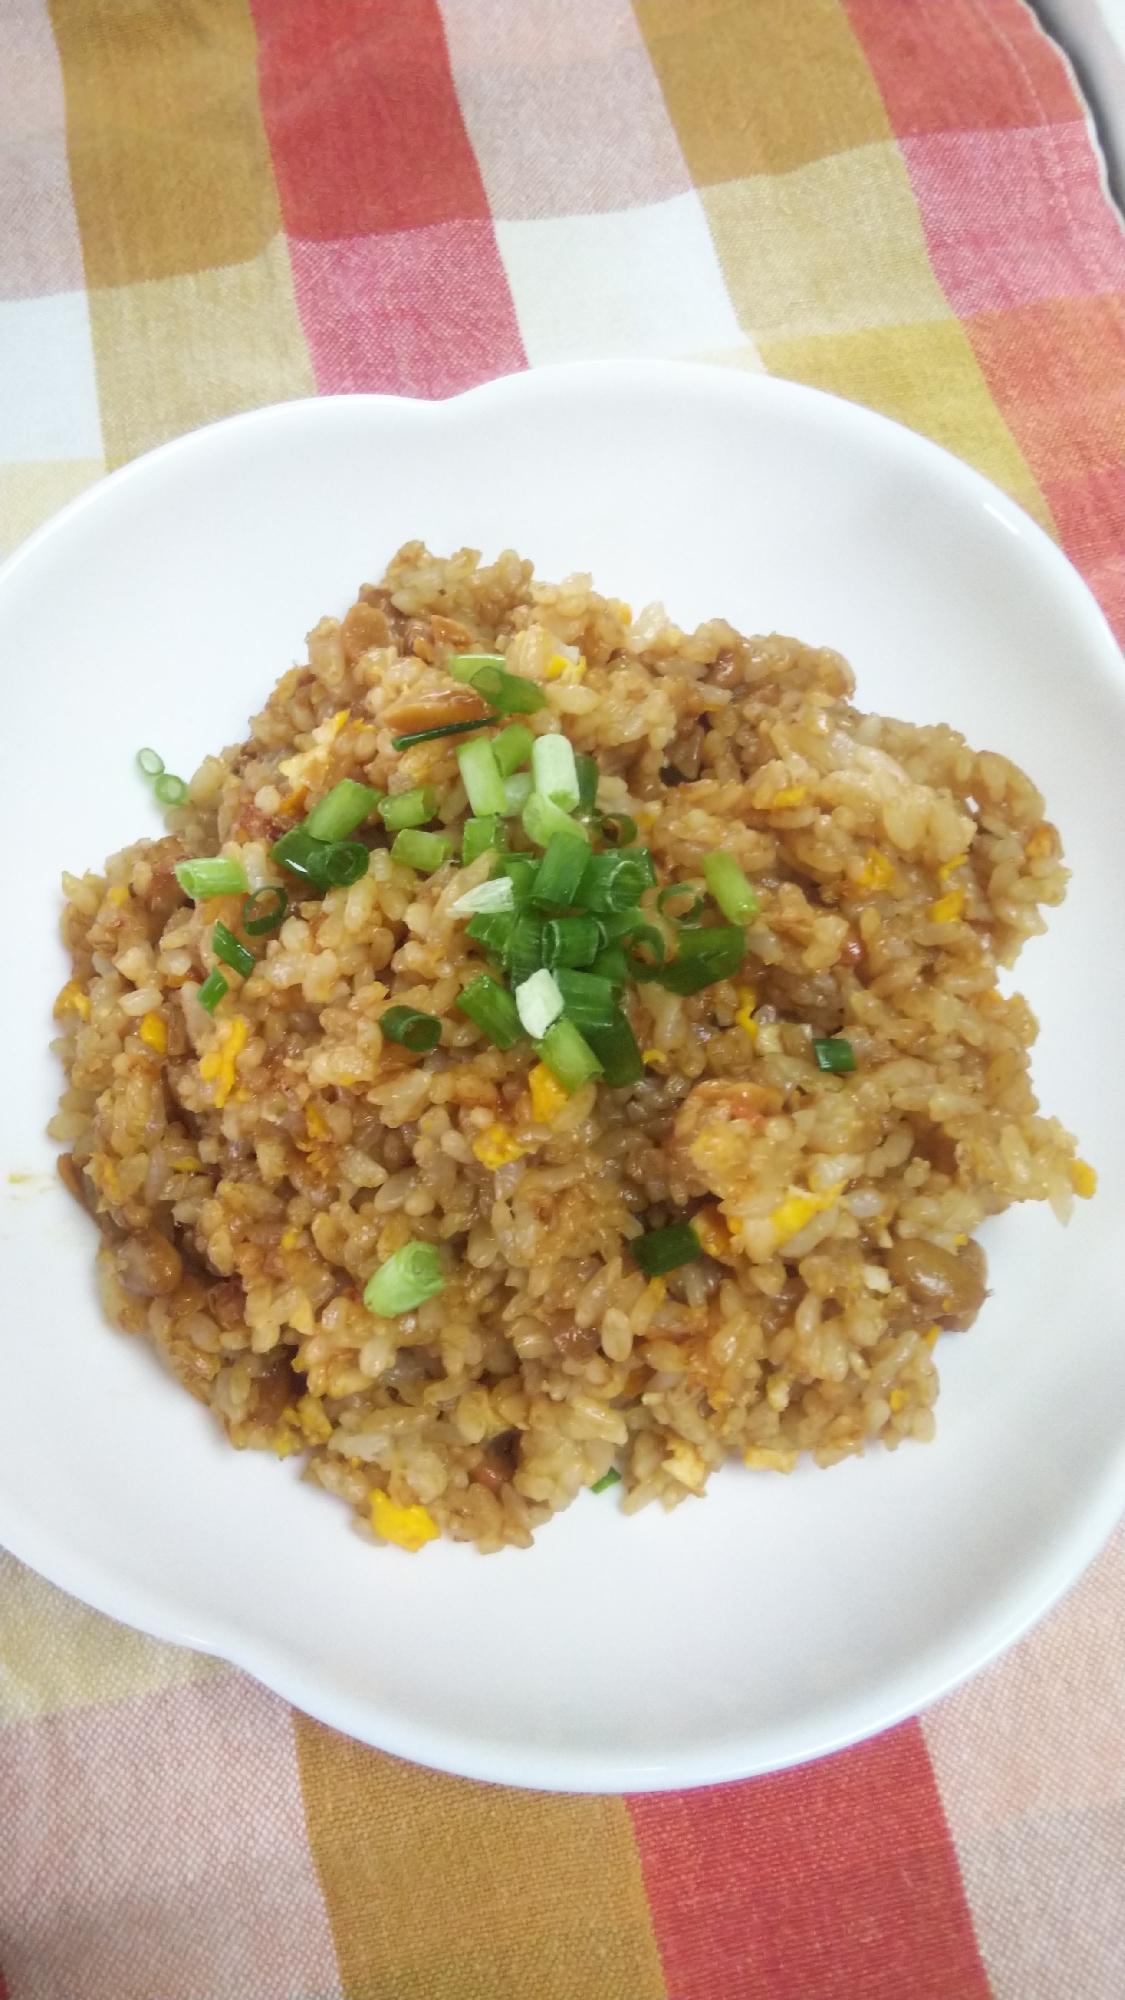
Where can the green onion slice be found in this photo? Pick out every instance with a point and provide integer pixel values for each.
(589, 773)
(517, 791)
(261, 926)
(675, 892)
(612, 882)
(571, 941)
(211, 875)
(730, 888)
(512, 748)
(411, 1030)
(411, 808)
(555, 771)
(491, 1008)
(226, 946)
(492, 929)
(618, 1052)
(644, 954)
(664, 1250)
(618, 829)
(212, 990)
(406, 1280)
(560, 871)
(341, 810)
(539, 1001)
(481, 777)
(348, 861)
(835, 1054)
(303, 856)
(525, 946)
(568, 1056)
(466, 666)
(617, 924)
(608, 1479)
(542, 819)
(446, 729)
(521, 871)
(510, 694)
(477, 835)
(587, 998)
(423, 851)
(498, 894)
(705, 956)
(611, 964)
(150, 762)
(169, 790)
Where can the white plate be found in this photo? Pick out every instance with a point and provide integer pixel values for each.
(782, 1618)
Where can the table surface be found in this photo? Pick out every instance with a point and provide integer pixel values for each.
(209, 205)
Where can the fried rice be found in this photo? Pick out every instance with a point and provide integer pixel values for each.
(251, 1168)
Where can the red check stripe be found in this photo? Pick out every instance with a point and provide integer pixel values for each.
(837, 1881)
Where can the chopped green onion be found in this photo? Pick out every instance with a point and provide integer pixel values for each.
(571, 940)
(477, 835)
(512, 748)
(674, 893)
(211, 875)
(616, 1049)
(642, 859)
(644, 953)
(568, 1056)
(705, 956)
(303, 856)
(341, 810)
(491, 929)
(560, 871)
(406, 1280)
(150, 762)
(348, 861)
(611, 882)
(834, 1054)
(539, 1001)
(169, 790)
(620, 923)
(510, 694)
(587, 998)
(212, 990)
(272, 921)
(411, 808)
(498, 894)
(664, 1250)
(446, 729)
(610, 964)
(541, 820)
(491, 1008)
(555, 771)
(589, 773)
(423, 851)
(481, 777)
(226, 946)
(618, 828)
(608, 1479)
(411, 1030)
(466, 666)
(525, 946)
(521, 870)
(731, 890)
(517, 791)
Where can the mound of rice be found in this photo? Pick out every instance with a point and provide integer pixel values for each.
(250, 1170)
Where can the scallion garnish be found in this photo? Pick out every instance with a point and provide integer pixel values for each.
(608, 1479)
(226, 946)
(610, 964)
(587, 999)
(675, 893)
(498, 894)
(261, 926)
(445, 729)
(510, 694)
(571, 941)
(347, 861)
(303, 856)
(542, 818)
(539, 1001)
(568, 1056)
(492, 929)
(617, 924)
(730, 888)
(491, 1008)
(411, 1030)
(517, 791)
(423, 851)
(411, 808)
(835, 1054)
(664, 1250)
(466, 666)
(150, 762)
(212, 990)
(616, 1049)
(588, 776)
(614, 881)
(560, 871)
(406, 1280)
(512, 747)
(341, 810)
(525, 946)
(477, 835)
(211, 875)
(520, 870)
(644, 953)
(480, 776)
(170, 791)
(555, 771)
(618, 829)
(704, 956)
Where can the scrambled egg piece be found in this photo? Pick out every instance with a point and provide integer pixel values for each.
(497, 1148)
(547, 1095)
(948, 908)
(153, 1031)
(217, 1065)
(409, 1527)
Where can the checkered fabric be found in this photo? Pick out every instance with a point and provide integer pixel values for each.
(207, 205)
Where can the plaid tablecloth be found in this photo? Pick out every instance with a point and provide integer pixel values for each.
(211, 204)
